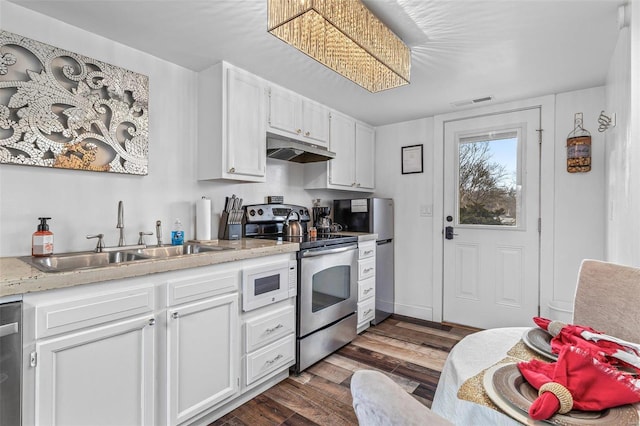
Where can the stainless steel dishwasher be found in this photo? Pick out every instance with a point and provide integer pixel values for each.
(10, 362)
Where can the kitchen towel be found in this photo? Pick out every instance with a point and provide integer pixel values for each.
(203, 219)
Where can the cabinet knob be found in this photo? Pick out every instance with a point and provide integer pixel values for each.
(358, 185)
(232, 170)
(353, 184)
(307, 133)
(175, 315)
(152, 322)
(298, 131)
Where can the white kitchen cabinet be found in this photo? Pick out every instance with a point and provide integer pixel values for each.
(366, 284)
(269, 341)
(90, 357)
(202, 355)
(295, 116)
(231, 124)
(353, 168)
(102, 376)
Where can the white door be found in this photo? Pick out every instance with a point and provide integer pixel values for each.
(491, 209)
(99, 376)
(202, 355)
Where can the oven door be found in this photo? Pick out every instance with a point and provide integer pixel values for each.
(327, 288)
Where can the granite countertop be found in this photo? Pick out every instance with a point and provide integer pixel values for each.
(362, 236)
(18, 277)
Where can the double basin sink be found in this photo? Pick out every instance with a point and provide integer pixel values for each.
(88, 260)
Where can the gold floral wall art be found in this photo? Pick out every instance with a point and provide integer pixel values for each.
(65, 110)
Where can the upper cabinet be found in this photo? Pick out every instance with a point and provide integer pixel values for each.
(353, 168)
(231, 124)
(297, 117)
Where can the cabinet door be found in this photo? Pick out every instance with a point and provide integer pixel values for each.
(203, 356)
(245, 141)
(342, 142)
(285, 111)
(315, 122)
(365, 157)
(100, 376)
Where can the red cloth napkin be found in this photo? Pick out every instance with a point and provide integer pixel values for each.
(570, 335)
(594, 385)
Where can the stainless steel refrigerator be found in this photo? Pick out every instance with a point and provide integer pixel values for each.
(373, 215)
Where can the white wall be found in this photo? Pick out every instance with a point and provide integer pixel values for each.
(82, 203)
(579, 213)
(623, 146)
(571, 204)
(413, 233)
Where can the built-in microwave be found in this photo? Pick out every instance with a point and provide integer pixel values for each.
(270, 283)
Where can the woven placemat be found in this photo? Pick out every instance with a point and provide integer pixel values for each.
(473, 389)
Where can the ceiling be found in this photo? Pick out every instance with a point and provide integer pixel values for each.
(460, 49)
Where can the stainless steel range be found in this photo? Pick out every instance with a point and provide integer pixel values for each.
(327, 281)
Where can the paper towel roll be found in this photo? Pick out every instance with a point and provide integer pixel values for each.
(203, 219)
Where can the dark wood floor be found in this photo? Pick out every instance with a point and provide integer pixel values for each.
(411, 352)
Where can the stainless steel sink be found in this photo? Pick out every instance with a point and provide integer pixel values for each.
(171, 251)
(88, 260)
(84, 260)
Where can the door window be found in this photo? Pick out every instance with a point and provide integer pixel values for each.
(330, 286)
(489, 190)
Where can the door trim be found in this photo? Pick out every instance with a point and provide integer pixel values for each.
(547, 191)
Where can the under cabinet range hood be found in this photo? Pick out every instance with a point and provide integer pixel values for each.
(282, 148)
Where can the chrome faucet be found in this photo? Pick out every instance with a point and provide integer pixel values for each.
(120, 224)
(159, 232)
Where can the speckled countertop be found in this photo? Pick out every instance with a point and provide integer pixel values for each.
(18, 277)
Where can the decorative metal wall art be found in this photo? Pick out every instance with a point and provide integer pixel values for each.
(61, 109)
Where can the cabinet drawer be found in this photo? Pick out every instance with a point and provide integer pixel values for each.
(269, 328)
(366, 310)
(56, 318)
(366, 249)
(366, 289)
(201, 286)
(366, 268)
(270, 358)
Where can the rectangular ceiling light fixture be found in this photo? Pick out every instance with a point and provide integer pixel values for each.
(346, 37)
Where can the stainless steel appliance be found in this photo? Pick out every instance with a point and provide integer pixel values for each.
(10, 362)
(321, 219)
(373, 215)
(327, 282)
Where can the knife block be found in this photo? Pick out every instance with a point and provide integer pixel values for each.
(229, 231)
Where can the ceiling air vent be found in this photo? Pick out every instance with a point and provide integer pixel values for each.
(468, 102)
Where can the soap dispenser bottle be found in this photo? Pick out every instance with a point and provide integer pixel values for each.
(42, 239)
(177, 234)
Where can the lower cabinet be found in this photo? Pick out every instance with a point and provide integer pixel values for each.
(101, 376)
(366, 284)
(269, 341)
(89, 356)
(202, 361)
(164, 349)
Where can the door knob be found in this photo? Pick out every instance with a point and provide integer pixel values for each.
(448, 233)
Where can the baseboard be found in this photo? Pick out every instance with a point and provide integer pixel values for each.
(413, 311)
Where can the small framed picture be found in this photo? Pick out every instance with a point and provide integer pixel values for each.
(412, 159)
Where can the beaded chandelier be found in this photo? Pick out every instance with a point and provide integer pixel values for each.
(346, 37)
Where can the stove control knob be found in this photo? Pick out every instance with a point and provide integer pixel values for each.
(252, 212)
(260, 212)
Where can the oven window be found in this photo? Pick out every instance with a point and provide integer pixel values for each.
(266, 284)
(331, 286)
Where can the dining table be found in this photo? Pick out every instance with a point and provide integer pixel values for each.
(462, 396)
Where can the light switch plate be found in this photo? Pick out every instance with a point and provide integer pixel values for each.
(426, 210)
